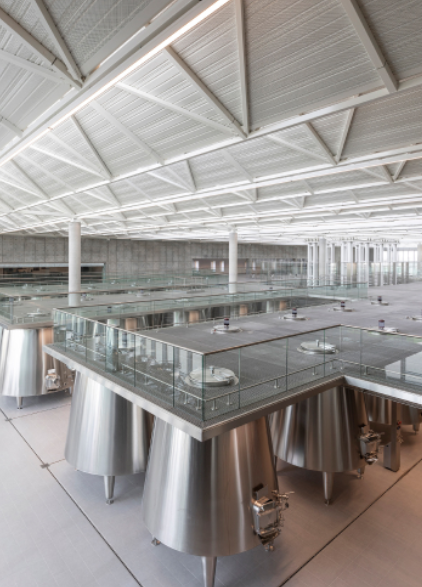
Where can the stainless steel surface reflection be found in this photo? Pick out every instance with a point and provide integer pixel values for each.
(320, 433)
(24, 366)
(107, 434)
(380, 411)
(197, 494)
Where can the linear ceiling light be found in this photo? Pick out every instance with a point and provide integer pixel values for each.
(171, 39)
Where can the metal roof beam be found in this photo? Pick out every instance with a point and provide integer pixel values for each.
(399, 170)
(368, 40)
(205, 92)
(295, 147)
(178, 109)
(33, 67)
(103, 167)
(318, 140)
(10, 126)
(226, 153)
(241, 49)
(66, 160)
(36, 47)
(345, 134)
(50, 26)
(174, 182)
(127, 132)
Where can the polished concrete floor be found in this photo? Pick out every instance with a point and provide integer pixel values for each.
(56, 530)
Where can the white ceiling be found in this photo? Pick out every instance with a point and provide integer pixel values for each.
(287, 119)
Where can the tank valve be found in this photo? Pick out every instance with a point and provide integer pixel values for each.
(369, 445)
(267, 514)
(52, 382)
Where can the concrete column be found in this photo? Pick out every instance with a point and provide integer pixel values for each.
(349, 254)
(332, 253)
(322, 257)
(389, 257)
(362, 252)
(366, 253)
(309, 260)
(74, 263)
(232, 261)
(394, 252)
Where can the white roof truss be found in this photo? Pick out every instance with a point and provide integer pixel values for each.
(36, 47)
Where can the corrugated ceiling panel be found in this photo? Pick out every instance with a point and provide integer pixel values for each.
(262, 157)
(214, 169)
(412, 169)
(330, 129)
(301, 53)
(346, 180)
(169, 133)
(397, 26)
(160, 78)
(119, 153)
(87, 26)
(392, 122)
(211, 52)
(23, 12)
(51, 186)
(74, 176)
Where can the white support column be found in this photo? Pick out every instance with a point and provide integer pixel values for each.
(389, 257)
(394, 252)
(349, 254)
(315, 262)
(361, 252)
(366, 253)
(74, 263)
(322, 257)
(343, 253)
(232, 261)
(419, 254)
(309, 260)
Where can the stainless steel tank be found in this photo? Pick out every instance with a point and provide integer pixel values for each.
(199, 497)
(380, 411)
(24, 366)
(107, 434)
(327, 433)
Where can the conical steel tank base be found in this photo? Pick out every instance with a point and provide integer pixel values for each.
(107, 435)
(24, 365)
(197, 494)
(321, 434)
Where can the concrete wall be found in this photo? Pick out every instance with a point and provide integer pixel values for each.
(132, 256)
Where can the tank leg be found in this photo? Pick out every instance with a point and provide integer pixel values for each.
(361, 471)
(275, 462)
(209, 565)
(19, 402)
(109, 481)
(327, 480)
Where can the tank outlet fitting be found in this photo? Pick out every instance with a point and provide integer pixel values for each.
(369, 445)
(52, 381)
(267, 514)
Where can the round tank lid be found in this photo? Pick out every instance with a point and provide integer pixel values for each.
(291, 317)
(317, 347)
(211, 377)
(220, 329)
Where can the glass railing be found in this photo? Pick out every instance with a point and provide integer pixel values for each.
(209, 385)
(283, 299)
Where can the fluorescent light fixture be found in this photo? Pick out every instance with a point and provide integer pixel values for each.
(171, 39)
